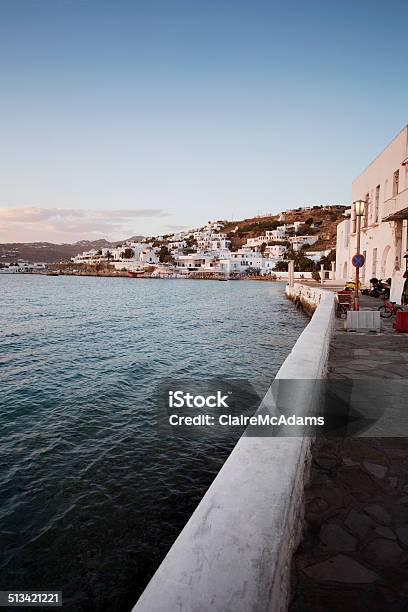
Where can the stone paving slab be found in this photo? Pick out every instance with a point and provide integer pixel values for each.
(354, 552)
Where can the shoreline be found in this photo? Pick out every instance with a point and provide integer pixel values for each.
(120, 274)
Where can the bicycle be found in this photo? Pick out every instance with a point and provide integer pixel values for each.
(388, 309)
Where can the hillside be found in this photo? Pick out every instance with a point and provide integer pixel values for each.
(324, 219)
(48, 252)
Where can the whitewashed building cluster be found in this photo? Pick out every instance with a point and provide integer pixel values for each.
(384, 187)
(211, 253)
(203, 250)
(142, 255)
(282, 233)
(22, 267)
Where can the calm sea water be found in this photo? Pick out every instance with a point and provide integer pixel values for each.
(92, 495)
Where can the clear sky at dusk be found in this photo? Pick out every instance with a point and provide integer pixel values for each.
(127, 117)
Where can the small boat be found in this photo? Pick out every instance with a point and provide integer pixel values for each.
(135, 273)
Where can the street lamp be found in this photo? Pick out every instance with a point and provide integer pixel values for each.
(359, 206)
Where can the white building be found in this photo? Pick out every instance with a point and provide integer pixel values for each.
(257, 241)
(280, 233)
(317, 255)
(175, 237)
(249, 249)
(194, 261)
(22, 266)
(211, 241)
(276, 251)
(219, 243)
(297, 242)
(268, 265)
(277, 234)
(215, 226)
(287, 226)
(176, 245)
(242, 263)
(148, 256)
(91, 256)
(384, 187)
(244, 259)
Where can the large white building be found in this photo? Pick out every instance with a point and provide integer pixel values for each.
(276, 251)
(384, 187)
(243, 262)
(298, 242)
(277, 234)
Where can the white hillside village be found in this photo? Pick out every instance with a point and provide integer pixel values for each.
(207, 250)
(382, 188)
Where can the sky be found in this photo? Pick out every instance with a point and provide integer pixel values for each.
(124, 117)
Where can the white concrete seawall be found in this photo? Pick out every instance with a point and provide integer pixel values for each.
(234, 553)
(307, 296)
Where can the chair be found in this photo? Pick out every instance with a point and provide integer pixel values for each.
(344, 301)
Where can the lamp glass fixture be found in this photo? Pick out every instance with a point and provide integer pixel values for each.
(359, 207)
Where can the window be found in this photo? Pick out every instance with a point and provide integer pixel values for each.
(376, 203)
(363, 270)
(395, 184)
(374, 267)
(366, 207)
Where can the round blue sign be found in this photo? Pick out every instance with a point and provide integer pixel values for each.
(358, 260)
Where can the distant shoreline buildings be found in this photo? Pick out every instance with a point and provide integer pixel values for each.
(258, 246)
(208, 250)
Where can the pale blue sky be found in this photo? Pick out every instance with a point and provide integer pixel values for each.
(128, 117)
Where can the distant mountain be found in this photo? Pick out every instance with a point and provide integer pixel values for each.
(131, 239)
(47, 252)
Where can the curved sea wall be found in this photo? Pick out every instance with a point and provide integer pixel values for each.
(234, 553)
(305, 296)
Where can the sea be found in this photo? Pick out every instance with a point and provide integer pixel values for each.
(93, 491)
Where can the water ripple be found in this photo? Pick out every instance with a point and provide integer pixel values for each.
(92, 494)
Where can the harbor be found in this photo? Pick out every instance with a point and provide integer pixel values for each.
(317, 516)
(204, 298)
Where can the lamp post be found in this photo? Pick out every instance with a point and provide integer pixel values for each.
(359, 210)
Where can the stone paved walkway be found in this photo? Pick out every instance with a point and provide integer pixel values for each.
(354, 553)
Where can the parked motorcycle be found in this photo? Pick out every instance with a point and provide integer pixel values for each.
(378, 288)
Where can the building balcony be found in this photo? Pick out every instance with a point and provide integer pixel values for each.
(396, 208)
